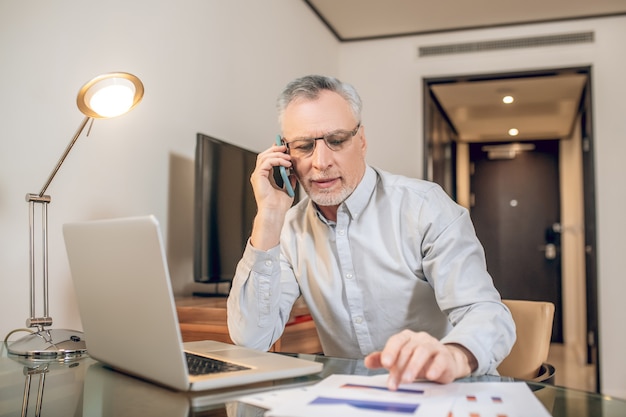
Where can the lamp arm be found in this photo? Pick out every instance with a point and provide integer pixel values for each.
(62, 158)
(43, 199)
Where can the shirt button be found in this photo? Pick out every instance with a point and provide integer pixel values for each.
(341, 232)
(358, 320)
(349, 276)
(268, 263)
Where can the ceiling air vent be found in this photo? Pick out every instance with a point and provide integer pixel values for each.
(530, 42)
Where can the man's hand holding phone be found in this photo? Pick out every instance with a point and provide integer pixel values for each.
(273, 198)
(282, 179)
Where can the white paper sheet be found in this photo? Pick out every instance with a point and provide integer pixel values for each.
(354, 395)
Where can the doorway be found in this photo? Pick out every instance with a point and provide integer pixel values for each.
(447, 155)
(515, 207)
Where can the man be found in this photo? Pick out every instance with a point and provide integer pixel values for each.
(389, 267)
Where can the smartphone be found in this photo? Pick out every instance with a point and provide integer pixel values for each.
(280, 174)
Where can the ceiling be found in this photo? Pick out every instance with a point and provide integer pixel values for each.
(353, 20)
(544, 108)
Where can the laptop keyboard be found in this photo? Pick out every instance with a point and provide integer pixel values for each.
(201, 365)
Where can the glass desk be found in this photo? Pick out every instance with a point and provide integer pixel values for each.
(87, 388)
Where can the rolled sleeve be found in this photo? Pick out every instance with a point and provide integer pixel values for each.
(260, 299)
(487, 330)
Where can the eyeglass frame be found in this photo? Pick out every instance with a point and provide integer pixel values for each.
(352, 133)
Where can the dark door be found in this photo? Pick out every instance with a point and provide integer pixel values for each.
(440, 155)
(516, 212)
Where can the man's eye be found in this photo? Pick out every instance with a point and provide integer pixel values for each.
(336, 139)
(303, 145)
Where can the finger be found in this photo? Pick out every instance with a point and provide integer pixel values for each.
(418, 362)
(393, 348)
(401, 349)
(274, 153)
(396, 355)
(279, 148)
(266, 192)
(428, 359)
(440, 369)
(454, 361)
(267, 160)
(372, 361)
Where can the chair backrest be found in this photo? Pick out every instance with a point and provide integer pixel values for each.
(533, 322)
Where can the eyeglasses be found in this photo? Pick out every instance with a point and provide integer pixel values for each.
(335, 141)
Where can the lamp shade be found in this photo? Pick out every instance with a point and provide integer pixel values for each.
(110, 95)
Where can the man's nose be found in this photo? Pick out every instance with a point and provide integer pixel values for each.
(322, 156)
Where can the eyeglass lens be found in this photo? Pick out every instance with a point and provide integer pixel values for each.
(335, 141)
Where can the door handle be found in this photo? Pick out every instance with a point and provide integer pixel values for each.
(552, 236)
(549, 250)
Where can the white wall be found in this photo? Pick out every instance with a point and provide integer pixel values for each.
(209, 66)
(389, 76)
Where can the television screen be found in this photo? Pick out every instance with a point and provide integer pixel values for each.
(224, 209)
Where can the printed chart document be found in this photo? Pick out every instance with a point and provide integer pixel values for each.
(354, 395)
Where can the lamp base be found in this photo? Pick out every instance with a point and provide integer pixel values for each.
(59, 344)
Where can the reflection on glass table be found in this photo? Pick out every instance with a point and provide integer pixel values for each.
(85, 387)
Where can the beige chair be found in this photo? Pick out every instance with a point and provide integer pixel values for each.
(527, 360)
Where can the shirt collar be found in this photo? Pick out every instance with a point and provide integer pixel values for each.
(356, 202)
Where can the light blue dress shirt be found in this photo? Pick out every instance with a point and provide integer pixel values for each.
(401, 255)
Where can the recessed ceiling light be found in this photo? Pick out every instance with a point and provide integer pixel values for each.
(508, 99)
(513, 132)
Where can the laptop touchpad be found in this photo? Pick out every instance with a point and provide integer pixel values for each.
(237, 353)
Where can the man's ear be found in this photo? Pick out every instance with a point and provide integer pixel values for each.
(363, 141)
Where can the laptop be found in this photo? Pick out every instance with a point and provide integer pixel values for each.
(127, 309)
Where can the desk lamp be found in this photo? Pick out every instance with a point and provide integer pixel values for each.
(105, 96)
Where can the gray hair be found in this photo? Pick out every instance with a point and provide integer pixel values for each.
(309, 87)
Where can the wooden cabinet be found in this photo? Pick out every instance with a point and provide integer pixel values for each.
(203, 318)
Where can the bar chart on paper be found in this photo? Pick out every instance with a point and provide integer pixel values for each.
(350, 395)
